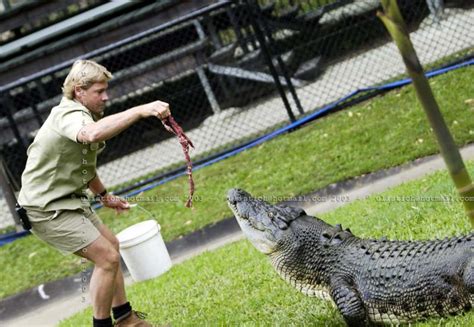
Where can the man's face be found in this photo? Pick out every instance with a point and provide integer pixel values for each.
(94, 98)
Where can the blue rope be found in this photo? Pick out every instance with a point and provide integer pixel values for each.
(10, 237)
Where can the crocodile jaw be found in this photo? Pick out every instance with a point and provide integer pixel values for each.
(256, 233)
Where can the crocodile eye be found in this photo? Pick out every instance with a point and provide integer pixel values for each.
(336, 239)
(326, 235)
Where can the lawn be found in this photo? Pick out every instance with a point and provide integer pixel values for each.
(383, 132)
(236, 285)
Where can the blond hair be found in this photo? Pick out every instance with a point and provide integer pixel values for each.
(84, 73)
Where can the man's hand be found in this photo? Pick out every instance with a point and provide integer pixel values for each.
(114, 202)
(157, 109)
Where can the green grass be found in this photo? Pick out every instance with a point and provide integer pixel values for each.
(383, 132)
(6, 230)
(195, 158)
(236, 285)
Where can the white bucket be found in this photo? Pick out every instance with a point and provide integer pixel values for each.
(143, 250)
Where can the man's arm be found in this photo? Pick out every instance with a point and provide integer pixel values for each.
(96, 186)
(110, 126)
(108, 200)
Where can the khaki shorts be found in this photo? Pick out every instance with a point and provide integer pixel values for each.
(66, 230)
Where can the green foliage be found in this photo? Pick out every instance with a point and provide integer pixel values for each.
(236, 285)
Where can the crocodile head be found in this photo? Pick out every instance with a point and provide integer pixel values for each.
(264, 224)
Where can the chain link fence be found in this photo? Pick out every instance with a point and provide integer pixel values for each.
(235, 71)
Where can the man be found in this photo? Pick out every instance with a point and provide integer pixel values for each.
(61, 166)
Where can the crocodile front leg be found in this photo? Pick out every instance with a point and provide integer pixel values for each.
(349, 302)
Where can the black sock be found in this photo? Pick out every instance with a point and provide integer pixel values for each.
(107, 322)
(121, 310)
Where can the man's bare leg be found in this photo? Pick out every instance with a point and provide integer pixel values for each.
(102, 285)
(122, 310)
(119, 296)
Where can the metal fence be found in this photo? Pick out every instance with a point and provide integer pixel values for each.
(234, 71)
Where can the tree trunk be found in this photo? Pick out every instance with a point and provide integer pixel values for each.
(393, 21)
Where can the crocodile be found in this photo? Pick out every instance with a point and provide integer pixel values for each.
(370, 281)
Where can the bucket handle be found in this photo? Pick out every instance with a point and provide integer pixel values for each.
(142, 208)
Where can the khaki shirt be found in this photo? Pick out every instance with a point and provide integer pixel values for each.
(59, 168)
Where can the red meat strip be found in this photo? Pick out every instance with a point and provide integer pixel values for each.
(172, 126)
